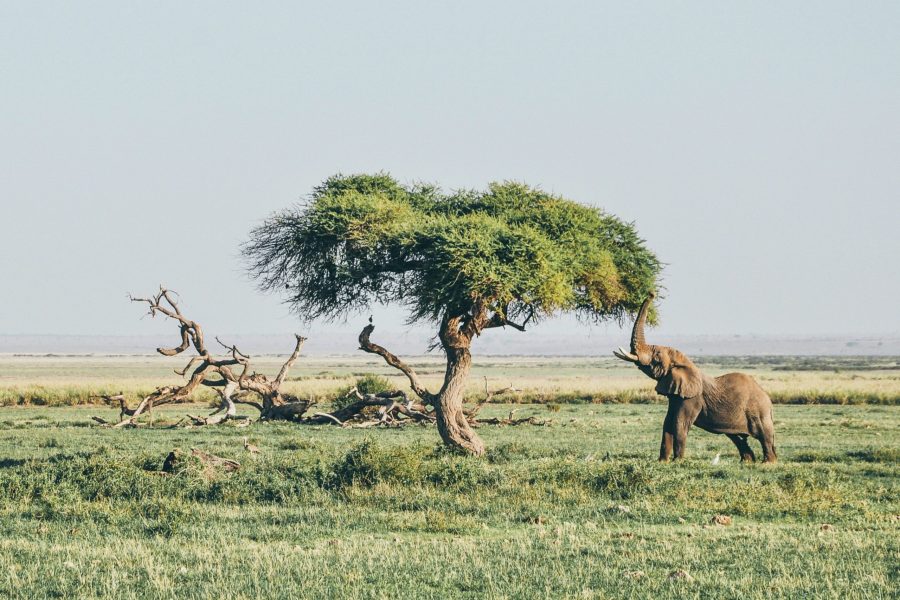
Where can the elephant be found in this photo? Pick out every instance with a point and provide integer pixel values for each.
(733, 404)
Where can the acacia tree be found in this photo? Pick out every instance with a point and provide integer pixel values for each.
(467, 261)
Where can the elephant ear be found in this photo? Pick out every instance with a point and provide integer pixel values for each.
(683, 379)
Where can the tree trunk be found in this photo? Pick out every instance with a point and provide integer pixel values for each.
(284, 411)
(227, 402)
(451, 420)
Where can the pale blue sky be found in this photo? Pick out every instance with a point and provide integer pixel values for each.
(756, 144)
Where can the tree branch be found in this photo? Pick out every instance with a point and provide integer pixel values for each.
(368, 346)
(279, 379)
(188, 366)
(499, 319)
(217, 373)
(185, 342)
(189, 329)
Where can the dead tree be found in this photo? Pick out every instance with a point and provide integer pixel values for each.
(365, 344)
(231, 377)
(273, 404)
(204, 369)
(113, 399)
(391, 408)
(472, 413)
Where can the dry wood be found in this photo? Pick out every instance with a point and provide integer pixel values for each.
(511, 421)
(329, 417)
(368, 346)
(394, 407)
(231, 377)
(472, 413)
(214, 372)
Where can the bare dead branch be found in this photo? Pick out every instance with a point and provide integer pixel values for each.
(394, 408)
(330, 417)
(373, 348)
(239, 400)
(190, 330)
(185, 342)
(279, 379)
(236, 354)
(190, 365)
(472, 413)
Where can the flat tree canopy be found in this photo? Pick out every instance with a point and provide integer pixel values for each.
(467, 260)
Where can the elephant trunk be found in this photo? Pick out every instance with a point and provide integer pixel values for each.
(637, 333)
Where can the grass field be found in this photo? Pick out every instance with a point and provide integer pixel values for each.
(576, 509)
(72, 380)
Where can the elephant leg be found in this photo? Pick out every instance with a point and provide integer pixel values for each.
(766, 437)
(684, 419)
(743, 447)
(668, 436)
(681, 439)
(665, 448)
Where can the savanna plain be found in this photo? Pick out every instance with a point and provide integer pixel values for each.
(573, 505)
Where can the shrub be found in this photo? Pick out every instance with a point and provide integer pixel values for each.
(460, 473)
(367, 384)
(368, 464)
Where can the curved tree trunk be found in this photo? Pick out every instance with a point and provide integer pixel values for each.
(227, 402)
(451, 420)
(456, 338)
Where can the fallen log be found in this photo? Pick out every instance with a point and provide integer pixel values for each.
(394, 407)
(511, 420)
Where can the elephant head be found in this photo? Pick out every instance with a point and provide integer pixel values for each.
(674, 372)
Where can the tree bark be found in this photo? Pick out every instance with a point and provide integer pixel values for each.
(286, 411)
(451, 419)
(456, 335)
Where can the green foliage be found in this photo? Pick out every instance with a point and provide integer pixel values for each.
(373, 384)
(367, 464)
(369, 383)
(514, 249)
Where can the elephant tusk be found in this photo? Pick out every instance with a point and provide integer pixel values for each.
(621, 353)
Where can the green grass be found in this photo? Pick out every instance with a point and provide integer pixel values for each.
(570, 510)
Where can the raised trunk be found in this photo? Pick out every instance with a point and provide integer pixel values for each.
(448, 406)
(637, 333)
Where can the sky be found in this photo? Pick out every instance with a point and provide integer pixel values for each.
(755, 145)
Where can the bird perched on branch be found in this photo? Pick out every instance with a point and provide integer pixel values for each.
(250, 447)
